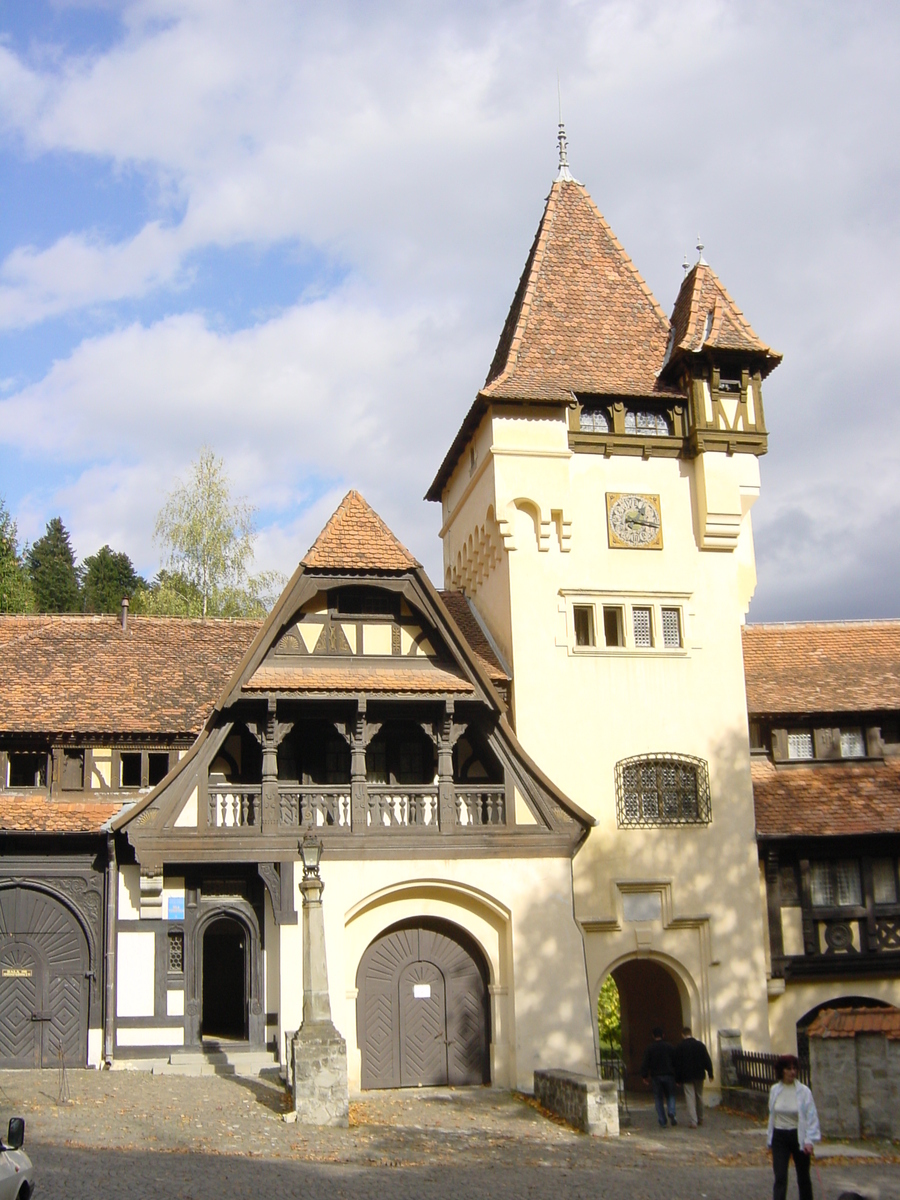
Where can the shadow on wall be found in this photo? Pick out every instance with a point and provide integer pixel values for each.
(714, 871)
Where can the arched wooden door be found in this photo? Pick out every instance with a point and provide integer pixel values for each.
(44, 966)
(422, 1013)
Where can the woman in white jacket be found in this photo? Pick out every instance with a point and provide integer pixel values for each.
(793, 1128)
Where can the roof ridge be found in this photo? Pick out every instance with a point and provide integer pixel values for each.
(820, 624)
(355, 538)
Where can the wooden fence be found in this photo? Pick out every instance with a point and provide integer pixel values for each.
(757, 1071)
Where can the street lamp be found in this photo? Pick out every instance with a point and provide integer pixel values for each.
(310, 854)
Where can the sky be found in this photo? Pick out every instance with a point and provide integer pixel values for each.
(292, 231)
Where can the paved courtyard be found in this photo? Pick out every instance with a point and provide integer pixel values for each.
(132, 1134)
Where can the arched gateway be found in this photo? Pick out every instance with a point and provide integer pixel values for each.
(423, 1015)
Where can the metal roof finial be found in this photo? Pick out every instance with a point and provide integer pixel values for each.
(700, 249)
(564, 174)
(685, 265)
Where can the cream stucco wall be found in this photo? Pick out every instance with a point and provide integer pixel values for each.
(579, 711)
(519, 912)
(797, 999)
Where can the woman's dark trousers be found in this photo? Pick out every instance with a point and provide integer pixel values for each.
(785, 1147)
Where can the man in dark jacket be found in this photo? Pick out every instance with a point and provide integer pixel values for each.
(659, 1068)
(692, 1065)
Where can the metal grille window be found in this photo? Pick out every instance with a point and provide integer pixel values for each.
(643, 627)
(594, 420)
(671, 628)
(662, 789)
(835, 884)
(800, 744)
(853, 744)
(176, 952)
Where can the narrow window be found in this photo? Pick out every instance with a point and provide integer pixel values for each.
(848, 888)
(853, 744)
(821, 888)
(73, 770)
(884, 881)
(612, 626)
(643, 627)
(176, 952)
(584, 624)
(157, 768)
(131, 768)
(800, 744)
(671, 628)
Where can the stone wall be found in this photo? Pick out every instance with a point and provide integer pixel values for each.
(856, 1085)
(590, 1104)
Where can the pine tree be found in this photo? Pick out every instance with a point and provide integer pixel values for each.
(15, 586)
(51, 565)
(107, 577)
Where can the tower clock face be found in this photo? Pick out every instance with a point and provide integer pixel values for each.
(634, 521)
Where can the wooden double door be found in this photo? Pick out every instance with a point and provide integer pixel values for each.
(423, 1016)
(43, 981)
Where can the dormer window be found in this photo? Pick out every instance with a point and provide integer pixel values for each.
(800, 744)
(647, 424)
(853, 744)
(594, 420)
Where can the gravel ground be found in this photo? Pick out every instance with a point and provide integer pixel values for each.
(131, 1134)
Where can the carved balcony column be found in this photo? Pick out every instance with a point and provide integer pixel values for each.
(446, 732)
(270, 734)
(357, 733)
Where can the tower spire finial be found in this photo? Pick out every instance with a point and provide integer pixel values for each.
(700, 249)
(564, 174)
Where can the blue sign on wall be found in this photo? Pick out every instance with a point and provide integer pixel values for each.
(175, 908)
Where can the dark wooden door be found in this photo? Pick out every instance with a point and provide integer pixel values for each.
(422, 1015)
(39, 934)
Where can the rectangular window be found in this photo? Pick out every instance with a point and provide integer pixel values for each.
(800, 744)
(157, 768)
(594, 420)
(27, 770)
(884, 881)
(643, 626)
(176, 952)
(821, 887)
(131, 768)
(790, 893)
(835, 884)
(612, 626)
(584, 624)
(73, 771)
(853, 744)
(671, 628)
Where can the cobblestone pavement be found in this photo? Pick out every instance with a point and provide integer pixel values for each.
(132, 1134)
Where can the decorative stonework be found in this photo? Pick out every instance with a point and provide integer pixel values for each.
(321, 1095)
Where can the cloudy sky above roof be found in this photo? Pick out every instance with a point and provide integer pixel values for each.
(292, 232)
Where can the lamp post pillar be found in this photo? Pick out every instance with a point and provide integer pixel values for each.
(319, 1074)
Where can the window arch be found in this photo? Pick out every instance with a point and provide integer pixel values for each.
(662, 789)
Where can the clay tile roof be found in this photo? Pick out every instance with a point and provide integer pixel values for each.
(356, 539)
(706, 317)
(37, 814)
(582, 319)
(75, 674)
(352, 677)
(827, 799)
(462, 614)
(848, 1022)
(826, 667)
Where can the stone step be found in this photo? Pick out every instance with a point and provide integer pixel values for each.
(218, 1059)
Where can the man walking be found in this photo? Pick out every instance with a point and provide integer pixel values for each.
(659, 1068)
(692, 1065)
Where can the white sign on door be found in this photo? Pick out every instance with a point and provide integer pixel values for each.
(421, 991)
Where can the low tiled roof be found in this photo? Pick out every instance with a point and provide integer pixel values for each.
(848, 1022)
(356, 539)
(37, 814)
(826, 799)
(462, 614)
(353, 676)
(840, 666)
(706, 317)
(75, 674)
(582, 318)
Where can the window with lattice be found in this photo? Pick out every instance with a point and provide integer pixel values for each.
(671, 628)
(662, 789)
(176, 952)
(643, 626)
(800, 744)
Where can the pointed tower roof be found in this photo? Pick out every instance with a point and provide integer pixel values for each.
(706, 318)
(582, 319)
(356, 539)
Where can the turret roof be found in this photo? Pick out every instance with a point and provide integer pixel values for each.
(356, 539)
(582, 318)
(706, 317)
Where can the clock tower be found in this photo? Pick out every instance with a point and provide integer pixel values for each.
(596, 514)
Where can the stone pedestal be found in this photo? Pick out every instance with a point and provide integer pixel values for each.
(321, 1095)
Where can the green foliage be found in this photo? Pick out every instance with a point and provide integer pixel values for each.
(207, 540)
(51, 565)
(107, 576)
(609, 1014)
(16, 595)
